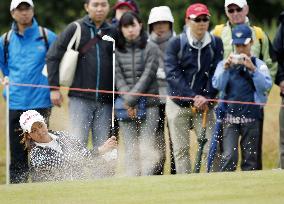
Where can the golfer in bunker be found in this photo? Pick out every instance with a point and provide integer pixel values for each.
(54, 155)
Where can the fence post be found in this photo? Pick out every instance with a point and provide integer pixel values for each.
(7, 87)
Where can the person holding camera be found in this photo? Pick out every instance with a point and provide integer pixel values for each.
(242, 77)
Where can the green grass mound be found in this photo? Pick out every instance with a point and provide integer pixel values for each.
(241, 187)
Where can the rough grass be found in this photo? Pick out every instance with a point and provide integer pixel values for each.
(240, 187)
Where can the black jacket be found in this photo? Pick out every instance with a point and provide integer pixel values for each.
(94, 68)
(278, 44)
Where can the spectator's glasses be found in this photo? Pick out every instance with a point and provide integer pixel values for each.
(198, 20)
(233, 10)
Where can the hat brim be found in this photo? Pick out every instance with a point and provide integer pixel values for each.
(241, 41)
(199, 14)
(120, 4)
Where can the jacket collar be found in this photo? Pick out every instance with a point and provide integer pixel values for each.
(29, 31)
(191, 40)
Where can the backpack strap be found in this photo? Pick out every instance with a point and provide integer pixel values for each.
(6, 37)
(259, 34)
(182, 41)
(43, 34)
(212, 47)
(218, 30)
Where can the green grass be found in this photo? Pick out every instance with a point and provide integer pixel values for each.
(240, 187)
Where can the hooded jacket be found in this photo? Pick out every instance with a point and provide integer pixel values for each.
(191, 73)
(158, 14)
(25, 62)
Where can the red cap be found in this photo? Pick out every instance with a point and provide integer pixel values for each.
(119, 4)
(196, 10)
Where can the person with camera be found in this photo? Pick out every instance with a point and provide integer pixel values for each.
(242, 77)
(237, 12)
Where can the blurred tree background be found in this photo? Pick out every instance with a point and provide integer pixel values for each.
(55, 14)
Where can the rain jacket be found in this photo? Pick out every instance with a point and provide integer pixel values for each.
(26, 59)
(265, 50)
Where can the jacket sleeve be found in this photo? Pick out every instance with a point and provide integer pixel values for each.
(56, 52)
(3, 67)
(221, 77)
(148, 75)
(261, 78)
(174, 73)
(269, 56)
(278, 44)
(218, 56)
(51, 37)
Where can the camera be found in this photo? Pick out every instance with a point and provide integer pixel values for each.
(237, 59)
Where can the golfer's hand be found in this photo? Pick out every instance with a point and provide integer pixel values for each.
(56, 98)
(200, 102)
(109, 145)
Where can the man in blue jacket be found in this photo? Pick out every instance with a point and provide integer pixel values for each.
(242, 77)
(22, 58)
(190, 62)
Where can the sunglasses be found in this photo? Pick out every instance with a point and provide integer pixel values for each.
(198, 20)
(233, 10)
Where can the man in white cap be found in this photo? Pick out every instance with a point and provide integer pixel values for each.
(237, 11)
(22, 58)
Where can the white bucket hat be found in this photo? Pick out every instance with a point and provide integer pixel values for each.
(28, 118)
(16, 3)
(160, 13)
(239, 3)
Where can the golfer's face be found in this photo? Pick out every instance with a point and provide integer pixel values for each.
(38, 132)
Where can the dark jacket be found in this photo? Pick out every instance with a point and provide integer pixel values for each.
(278, 44)
(191, 73)
(94, 68)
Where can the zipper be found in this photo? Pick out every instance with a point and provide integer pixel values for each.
(93, 32)
(133, 67)
(98, 70)
(198, 68)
